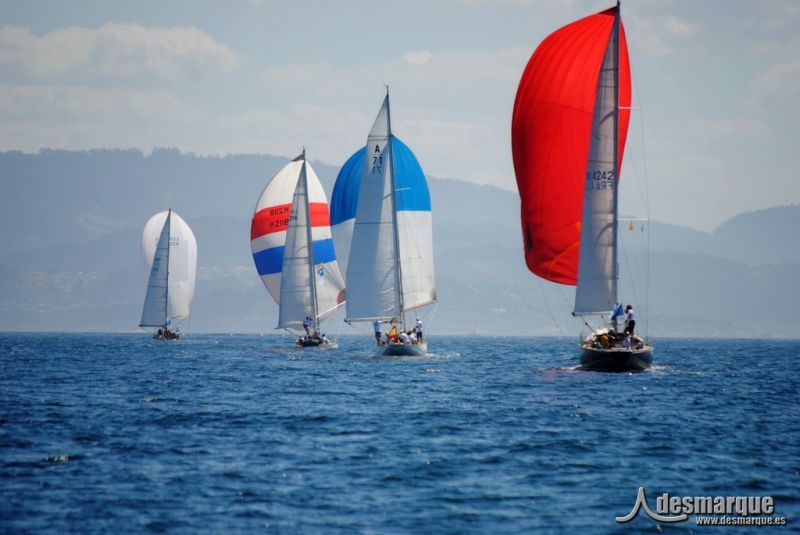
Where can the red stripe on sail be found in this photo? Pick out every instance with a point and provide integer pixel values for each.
(269, 220)
(319, 214)
(550, 130)
(276, 218)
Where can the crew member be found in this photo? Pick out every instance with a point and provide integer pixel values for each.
(630, 320)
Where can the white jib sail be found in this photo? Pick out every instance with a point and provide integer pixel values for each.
(372, 270)
(178, 263)
(297, 283)
(597, 265)
(154, 312)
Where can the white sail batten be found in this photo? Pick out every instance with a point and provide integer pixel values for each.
(372, 272)
(170, 251)
(596, 291)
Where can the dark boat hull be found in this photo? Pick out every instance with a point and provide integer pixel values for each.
(171, 336)
(316, 343)
(403, 350)
(616, 359)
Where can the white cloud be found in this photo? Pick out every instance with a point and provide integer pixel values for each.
(676, 26)
(312, 81)
(419, 57)
(115, 51)
(780, 79)
(452, 108)
(80, 117)
(656, 35)
(83, 102)
(723, 88)
(514, 2)
(735, 126)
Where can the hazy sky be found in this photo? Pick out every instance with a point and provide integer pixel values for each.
(718, 83)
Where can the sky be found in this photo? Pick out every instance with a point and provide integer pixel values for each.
(716, 86)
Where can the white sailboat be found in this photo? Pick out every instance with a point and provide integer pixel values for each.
(381, 213)
(170, 251)
(294, 254)
(568, 134)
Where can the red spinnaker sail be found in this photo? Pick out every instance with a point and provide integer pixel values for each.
(550, 132)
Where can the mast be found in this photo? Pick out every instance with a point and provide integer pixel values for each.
(615, 37)
(395, 233)
(307, 222)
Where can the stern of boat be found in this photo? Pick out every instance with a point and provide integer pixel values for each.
(403, 350)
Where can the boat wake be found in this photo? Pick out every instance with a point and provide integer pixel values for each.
(574, 368)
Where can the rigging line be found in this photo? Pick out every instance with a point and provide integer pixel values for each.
(642, 194)
(561, 292)
(640, 108)
(433, 313)
(547, 303)
(630, 274)
(644, 154)
(645, 197)
(647, 211)
(586, 323)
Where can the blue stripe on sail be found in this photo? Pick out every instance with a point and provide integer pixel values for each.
(270, 261)
(409, 180)
(323, 251)
(344, 199)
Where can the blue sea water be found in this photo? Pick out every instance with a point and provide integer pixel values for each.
(216, 433)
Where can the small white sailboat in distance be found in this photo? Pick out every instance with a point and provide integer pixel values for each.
(170, 251)
(381, 199)
(294, 254)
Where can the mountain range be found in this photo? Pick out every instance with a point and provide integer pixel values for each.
(70, 255)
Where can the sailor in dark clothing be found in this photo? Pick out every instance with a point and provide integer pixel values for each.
(630, 320)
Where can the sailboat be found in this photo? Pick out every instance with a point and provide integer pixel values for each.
(381, 216)
(293, 252)
(569, 126)
(170, 251)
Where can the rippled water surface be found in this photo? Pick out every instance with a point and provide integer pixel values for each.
(223, 433)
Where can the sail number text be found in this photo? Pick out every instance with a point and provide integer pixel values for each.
(600, 180)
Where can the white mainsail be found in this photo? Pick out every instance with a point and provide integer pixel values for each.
(154, 312)
(596, 291)
(373, 274)
(170, 250)
(390, 269)
(308, 287)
